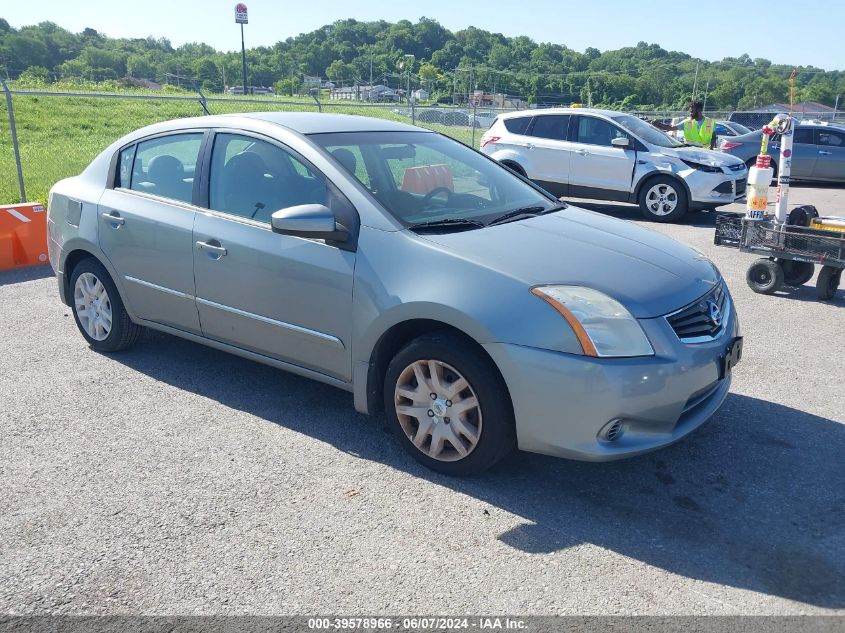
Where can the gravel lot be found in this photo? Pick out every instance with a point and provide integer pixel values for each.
(175, 479)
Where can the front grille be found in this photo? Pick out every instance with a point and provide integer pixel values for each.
(699, 322)
(729, 187)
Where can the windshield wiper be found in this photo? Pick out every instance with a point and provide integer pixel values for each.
(525, 211)
(458, 224)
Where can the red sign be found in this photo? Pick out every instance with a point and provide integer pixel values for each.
(240, 14)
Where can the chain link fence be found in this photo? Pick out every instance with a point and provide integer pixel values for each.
(59, 133)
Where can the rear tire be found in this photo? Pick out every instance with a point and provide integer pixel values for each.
(469, 425)
(796, 273)
(98, 309)
(828, 282)
(764, 276)
(663, 199)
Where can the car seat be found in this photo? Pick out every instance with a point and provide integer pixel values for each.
(167, 175)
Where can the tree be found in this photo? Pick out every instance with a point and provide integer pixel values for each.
(428, 74)
(22, 51)
(35, 75)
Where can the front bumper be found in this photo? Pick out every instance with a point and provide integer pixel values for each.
(715, 188)
(562, 402)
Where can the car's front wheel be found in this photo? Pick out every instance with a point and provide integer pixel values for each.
(663, 199)
(98, 309)
(449, 405)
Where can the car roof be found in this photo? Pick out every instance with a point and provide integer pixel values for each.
(323, 122)
(535, 112)
(300, 122)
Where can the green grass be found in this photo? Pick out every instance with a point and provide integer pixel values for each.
(59, 135)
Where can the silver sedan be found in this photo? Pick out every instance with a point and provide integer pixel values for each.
(476, 310)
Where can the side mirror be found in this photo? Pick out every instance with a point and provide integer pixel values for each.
(620, 141)
(310, 221)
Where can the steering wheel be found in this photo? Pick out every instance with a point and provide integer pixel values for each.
(426, 199)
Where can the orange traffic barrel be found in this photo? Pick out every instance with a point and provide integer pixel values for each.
(23, 235)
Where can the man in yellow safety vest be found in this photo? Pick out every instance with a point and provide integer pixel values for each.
(698, 129)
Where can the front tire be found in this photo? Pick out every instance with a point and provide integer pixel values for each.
(98, 309)
(663, 199)
(448, 405)
(765, 276)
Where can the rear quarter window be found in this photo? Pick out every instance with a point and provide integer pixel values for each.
(517, 125)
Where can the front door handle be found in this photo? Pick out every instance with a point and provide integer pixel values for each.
(581, 152)
(213, 248)
(824, 153)
(114, 218)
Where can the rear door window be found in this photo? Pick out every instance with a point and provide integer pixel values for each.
(517, 125)
(165, 166)
(551, 126)
(803, 135)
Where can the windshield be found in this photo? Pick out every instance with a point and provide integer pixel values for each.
(645, 131)
(420, 177)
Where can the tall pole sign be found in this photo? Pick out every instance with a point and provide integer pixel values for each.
(241, 18)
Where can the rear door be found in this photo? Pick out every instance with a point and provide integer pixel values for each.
(145, 224)
(597, 167)
(830, 148)
(549, 152)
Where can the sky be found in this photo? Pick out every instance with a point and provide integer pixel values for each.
(773, 29)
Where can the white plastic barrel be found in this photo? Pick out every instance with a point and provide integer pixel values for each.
(757, 192)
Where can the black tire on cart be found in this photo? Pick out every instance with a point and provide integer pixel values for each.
(796, 273)
(801, 216)
(828, 282)
(764, 276)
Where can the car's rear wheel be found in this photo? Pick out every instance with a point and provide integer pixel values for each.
(449, 405)
(98, 309)
(764, 276)
(663, 199)
(796, 273)
(828, 282)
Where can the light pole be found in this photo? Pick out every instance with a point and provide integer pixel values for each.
(241, 18)
(410, 65)
(370, 94)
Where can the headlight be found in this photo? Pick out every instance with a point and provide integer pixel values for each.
(603, 325)
(710, 169)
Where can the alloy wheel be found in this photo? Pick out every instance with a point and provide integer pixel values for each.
(661, 199)
(438, 410)
(93, 307)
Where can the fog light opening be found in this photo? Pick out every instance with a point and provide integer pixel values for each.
(612, 431)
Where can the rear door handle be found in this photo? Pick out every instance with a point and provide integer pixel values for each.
(114, 218)
(824, 153)
(213, 248)
(582, 152)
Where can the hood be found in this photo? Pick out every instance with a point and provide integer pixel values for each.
(699, 155)
(649, 273)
